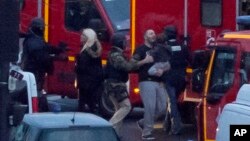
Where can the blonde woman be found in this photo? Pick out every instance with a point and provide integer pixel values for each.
(89, 71)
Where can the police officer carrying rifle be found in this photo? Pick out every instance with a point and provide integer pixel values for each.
(175, 77)
(37, 58)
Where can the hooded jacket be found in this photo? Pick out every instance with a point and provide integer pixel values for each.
(88, 64)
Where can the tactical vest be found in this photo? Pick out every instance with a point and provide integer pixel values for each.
(178, 56)
(113, 73)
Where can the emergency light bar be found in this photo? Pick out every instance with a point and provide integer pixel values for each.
(243, 20)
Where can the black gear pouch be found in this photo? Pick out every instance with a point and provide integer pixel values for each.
(117, 90)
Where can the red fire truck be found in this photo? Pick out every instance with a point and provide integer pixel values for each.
(64, 21)
(199, 22)
(218, 81)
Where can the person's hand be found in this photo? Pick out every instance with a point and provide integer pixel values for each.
(159, 72)
(148, 59)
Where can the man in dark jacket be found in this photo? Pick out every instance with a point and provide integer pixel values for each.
(117, 70)
(36, 56)
(175, 77)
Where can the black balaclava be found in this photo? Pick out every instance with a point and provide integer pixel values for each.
(170, 32)
(37, 26)
(118, 40)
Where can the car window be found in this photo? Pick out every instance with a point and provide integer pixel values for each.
(79, 134)
(79, 13)
(245, 68)
(24, 132)
(222, 76)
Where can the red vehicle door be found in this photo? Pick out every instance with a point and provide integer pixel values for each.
(221, 84)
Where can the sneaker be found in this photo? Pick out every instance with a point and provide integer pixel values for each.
(176, 131)
(140, 126)
(167, 125)
(148, 137)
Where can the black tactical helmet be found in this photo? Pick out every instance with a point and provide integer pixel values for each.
(37, 23)
(118, 40)
(37, 26)
(170, 32)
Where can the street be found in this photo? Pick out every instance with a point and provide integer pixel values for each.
(130, 130)
(208, 42)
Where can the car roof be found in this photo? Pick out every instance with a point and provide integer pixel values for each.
(64, 120)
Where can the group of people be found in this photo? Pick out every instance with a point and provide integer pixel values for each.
(161, 80)
(160, 63)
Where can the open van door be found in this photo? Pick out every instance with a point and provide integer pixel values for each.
(196, 76)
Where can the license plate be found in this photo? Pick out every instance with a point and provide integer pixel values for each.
(16, 75)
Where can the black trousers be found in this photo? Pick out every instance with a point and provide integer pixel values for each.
(90, 96)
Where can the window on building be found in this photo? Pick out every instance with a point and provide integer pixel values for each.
(211, 12)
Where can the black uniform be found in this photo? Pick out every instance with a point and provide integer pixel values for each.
(90, 77)
(178, 62)
(36, 56)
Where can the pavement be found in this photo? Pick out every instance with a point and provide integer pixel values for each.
(130, 130)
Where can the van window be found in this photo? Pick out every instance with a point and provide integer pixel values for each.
(244, 7)
(245, 68)
(211, 12)
(119, 13)
(222, 76)
(79, 14)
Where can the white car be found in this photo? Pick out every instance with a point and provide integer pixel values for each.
(235, 113)
(22, 87)
(68, 126)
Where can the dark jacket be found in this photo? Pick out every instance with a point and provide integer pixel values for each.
(179, 61)
(88, 69)
(36, 54)
(179, 55)
(118, 66)
(160, 53)
(117, 70)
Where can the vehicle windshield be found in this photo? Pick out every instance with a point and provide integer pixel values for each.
(223, 70)
(79, 134)
(119, 13)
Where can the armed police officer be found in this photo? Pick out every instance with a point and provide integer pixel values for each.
(117, 70)
(36, 57)
(175, 77)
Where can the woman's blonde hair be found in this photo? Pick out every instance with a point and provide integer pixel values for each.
(91, 40)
